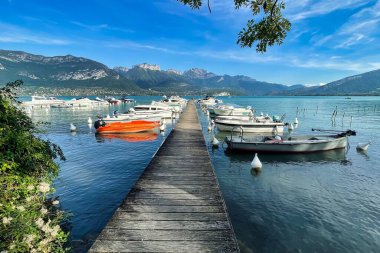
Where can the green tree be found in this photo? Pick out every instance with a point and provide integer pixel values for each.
(271, 29)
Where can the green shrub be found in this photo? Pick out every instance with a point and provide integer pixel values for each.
(30, 221)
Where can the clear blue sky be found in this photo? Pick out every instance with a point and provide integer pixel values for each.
(330, 39)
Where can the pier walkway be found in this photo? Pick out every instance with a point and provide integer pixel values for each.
(176, 205)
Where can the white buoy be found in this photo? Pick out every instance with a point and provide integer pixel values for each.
(290, 127)
(162, 127)
(296, 121)
(73, 128)
(89, 121)
(207, 113)
(256, 164)
(108, 116)
(209, 128)
(214, 141)
(363, 146)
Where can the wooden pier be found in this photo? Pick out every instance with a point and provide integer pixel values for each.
(176, 205)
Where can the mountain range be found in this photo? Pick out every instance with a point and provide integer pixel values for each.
(78, 72)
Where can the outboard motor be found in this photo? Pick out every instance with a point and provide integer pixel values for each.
(99, 123)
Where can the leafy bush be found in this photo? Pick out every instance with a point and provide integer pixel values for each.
(30, 221)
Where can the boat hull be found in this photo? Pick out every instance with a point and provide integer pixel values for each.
(131, 117)
(274, 128)
(288, 147)
(128, 127)
(232, 112)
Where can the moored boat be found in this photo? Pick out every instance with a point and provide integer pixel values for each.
(229, 110)
(130, 117)
(254, 125)
(43, 101)
(133, 126)
(292, 144)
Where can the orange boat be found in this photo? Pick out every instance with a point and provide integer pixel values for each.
(130, 137)
(133, 126)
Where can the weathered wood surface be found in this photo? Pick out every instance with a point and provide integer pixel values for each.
(176, 205)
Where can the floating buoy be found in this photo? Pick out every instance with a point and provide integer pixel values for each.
(214, 141)
(89, 121)
(162, 127)
(256, 164)
(290, 127)
(363, 146)
(207, 113)
(73, 128)
(209, 128)
(296, 121)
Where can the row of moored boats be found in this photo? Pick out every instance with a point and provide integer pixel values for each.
(266, 133)
(142, 118)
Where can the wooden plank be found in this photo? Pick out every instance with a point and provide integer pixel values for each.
(163, 246)
(169, 224)
(172, 202)
(163, 235)
(151, 195)
(176, 190)
(171, 209)
(136, 216)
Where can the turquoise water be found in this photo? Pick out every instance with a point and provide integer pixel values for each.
(326, 202)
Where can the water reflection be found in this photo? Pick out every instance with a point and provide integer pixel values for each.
(129, 137)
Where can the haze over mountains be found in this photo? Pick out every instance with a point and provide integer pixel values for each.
(77, 72)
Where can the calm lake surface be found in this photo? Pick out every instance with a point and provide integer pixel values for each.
(326, 202)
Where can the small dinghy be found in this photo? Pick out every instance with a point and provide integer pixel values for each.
(293, 144)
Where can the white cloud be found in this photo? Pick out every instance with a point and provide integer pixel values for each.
(100, 27)
(303, 9)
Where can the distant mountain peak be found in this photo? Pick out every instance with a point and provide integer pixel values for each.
(197, 73)
(148, 66)
(121, 69)
(174, 71)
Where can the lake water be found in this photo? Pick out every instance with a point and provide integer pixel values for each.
(326, 202)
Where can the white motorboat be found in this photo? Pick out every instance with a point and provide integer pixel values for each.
(209, 101)
(85, 102)
(230, 110)
(292, 144)
(253, 125)
(233, 118)
(42, 101)
(130, 117)
(164, 111)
